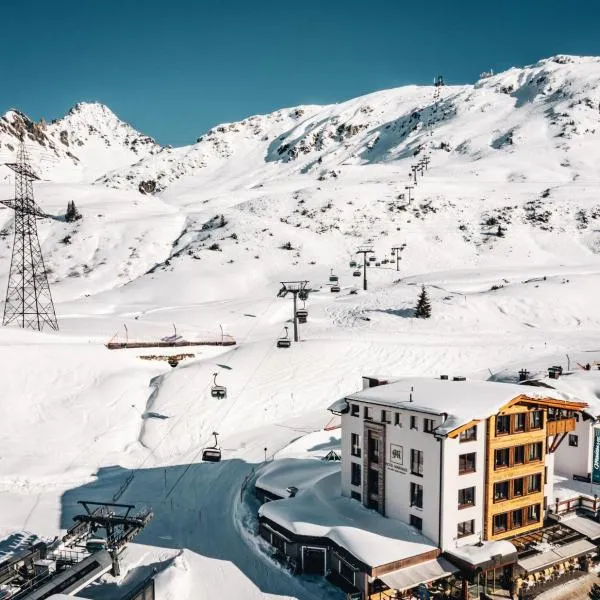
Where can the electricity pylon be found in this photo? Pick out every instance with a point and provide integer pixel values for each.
(28, 298)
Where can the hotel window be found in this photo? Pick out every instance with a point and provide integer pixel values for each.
(355, 449)
(416, 462)
(466, 497)
(416, 495)
(534, 483)
(517, 487)
(533, 513)
(466, 463)
(384, 417)
(413, 423)
(501, 491)
(519, 422)
(354, 410)
(465, 528)
(373, 483)
(416, 522)
(516, 518)
(355, 474)
(468, 435)
(503, 425)
(355, 496)
(501, 458)
(536, 419)
(397, 420)
(573, 440)
(535, 451)
(519, 455)
(427, 425)
(500, 522)
(367, 413)
(373, 448)
(346, 571)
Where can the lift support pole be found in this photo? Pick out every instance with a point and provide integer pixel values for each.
(295, 288)
(396, 250)
(364, 251)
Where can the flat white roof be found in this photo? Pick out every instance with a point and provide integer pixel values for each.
(320, 511)
(476, 554)
(462, 401)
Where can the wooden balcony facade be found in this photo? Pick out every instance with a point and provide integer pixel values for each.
(560, 426)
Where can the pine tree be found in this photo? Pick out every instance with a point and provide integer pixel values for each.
(423, 308)
(72, 213)
(500, 232)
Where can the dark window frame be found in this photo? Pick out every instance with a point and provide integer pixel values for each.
(468, 435)
(355, 449)
(497, 529)
(416, 460)
(354, 410)
(416, 494)
(355, 469)
(464, 462)
(428, 425)
(464, 495)
(502, 425)
(414, 423)
(416, 522)
(462, 530)
(503, 465)
(501, 491)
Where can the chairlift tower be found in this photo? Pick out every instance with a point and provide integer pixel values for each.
(396, 251)
(28, 298)
(410, 188)
(296, 288)
(364, 250)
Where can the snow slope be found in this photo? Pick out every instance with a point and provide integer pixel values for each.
(273, 198)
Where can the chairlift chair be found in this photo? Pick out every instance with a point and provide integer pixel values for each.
(218, 391)
(302, 315)
(356, 273)
(172, 361)
(303, 294)
(212, 453)
(284, 342)
(352, 264)
(372, 258)
(335, 288)
(332, 277)
(377, 264)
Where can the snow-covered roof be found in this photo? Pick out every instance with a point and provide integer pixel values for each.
(477, 554)
(578, 385)
(461, 401)
(302, 474)
(320, 511)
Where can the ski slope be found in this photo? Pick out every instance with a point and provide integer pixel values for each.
(207, 250)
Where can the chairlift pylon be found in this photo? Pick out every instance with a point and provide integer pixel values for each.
(212, 453)
(218, 391)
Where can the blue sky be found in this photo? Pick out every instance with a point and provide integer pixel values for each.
(175, 68)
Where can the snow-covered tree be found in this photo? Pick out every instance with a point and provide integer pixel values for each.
(423, 308)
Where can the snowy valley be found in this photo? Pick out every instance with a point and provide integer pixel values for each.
(503, 229)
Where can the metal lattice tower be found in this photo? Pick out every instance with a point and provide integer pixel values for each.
(28, 298)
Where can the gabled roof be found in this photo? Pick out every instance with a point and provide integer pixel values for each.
(460, 402)
(583, 386)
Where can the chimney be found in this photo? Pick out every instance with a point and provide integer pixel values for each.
(554, 372)
(523, 375)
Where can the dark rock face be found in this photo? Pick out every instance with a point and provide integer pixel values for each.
(147, 187)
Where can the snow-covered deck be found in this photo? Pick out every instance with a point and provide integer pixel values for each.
(319, 511)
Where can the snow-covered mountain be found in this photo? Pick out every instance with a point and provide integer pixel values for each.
(503, 230)
(87, 142)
